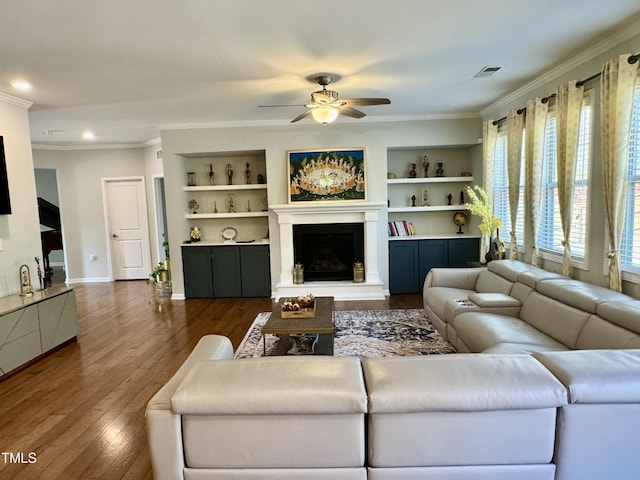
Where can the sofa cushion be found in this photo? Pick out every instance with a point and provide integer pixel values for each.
(489, 282)
(534, 275)
(624, 314)
(582, 295)
(596, 376)
(274, 385)
(460, 410)
(602, 334)
(557, 320)
(509, 269)
(479, 331)
(462, 382)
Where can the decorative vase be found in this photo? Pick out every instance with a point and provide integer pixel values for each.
(497, 250)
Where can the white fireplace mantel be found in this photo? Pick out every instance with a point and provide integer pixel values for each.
(367, 213)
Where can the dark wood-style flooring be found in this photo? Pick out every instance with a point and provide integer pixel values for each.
(79, 413)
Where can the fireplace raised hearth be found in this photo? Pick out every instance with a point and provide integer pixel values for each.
(328, 251)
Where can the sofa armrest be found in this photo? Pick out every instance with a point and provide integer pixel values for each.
(464, 278)
(164, 428)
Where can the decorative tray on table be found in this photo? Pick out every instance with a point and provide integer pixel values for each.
(303, 306)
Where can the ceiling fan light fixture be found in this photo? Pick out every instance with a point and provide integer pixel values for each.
(324, 114)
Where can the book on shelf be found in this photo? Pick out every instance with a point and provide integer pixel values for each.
(401, 228)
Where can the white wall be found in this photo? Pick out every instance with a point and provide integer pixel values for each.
(81, 206)
(20, 231)
(376, 138)
(580, 67)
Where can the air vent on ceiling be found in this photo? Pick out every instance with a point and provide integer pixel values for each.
(487, 71)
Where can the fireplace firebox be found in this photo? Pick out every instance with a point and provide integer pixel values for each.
(328, 251)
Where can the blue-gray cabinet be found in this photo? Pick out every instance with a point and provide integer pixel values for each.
(411, 260)
(226, 271)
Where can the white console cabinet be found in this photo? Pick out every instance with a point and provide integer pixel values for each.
(33, 326)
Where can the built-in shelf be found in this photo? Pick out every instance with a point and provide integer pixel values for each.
(430, 180)
(226, 215)
(439, 236)
(431, 208)
(211, 188)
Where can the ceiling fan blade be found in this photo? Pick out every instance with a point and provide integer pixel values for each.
(351, 112)
(269, 106)
(304, 114)
(366, 101)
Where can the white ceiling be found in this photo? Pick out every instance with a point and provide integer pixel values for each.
(123, 68)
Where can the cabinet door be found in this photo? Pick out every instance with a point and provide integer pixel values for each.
(403, 266)
(255, 271)
(198, 273)
(463, 250)
(226, 271)
(433, 253)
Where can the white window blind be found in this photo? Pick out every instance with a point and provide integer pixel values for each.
(550, 236)
(630, 241)
(501, 192)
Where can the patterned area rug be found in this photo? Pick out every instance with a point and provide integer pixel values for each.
(365, 333)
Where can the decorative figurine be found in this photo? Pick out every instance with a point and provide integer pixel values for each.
(231, 203)
(439, 170)
(425, 165)
(261, 179)
(425, 197)
(247, 175)
(212, 174)
(26, 290)
(195, 234)
(194, 206)
(40, 278)
(449, 197)
(413, 200)
(412, 172)
(230, 173)
(215, 207)
(462, 202)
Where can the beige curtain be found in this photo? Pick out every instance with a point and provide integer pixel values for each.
(535, 125)
(569, 98)
(515, 126)
(489, 136)
(617, 85)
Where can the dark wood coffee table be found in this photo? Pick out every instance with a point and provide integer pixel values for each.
(321, 323)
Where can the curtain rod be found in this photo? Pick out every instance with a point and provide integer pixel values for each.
(632, 59)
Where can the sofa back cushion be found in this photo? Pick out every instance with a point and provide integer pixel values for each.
(558, 320)
(582, 295)
(599, 333)
(489, 282)
(623, 314)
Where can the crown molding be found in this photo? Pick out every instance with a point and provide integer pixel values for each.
(15, 101)
(105, 146)
(609, 42)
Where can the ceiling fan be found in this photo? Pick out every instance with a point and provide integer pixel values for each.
(325, 105)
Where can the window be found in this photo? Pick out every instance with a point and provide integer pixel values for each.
(501, 192)
(550, 235)
(630, 241)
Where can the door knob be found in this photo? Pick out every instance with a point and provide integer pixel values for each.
(114, 235)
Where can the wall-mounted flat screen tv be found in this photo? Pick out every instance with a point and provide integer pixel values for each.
(5, 201)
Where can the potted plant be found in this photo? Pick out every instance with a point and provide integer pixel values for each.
(159, 274)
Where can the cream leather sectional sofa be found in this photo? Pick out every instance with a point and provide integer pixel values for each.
(513, 307)
(562, 415)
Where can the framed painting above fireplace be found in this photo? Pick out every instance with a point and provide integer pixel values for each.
(327, 175)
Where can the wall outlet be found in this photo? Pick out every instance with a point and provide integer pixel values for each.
(93, 257)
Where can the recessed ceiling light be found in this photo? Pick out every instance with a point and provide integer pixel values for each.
(21, 85)
(87, 135)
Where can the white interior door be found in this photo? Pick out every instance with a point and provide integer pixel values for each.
(128, 228)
